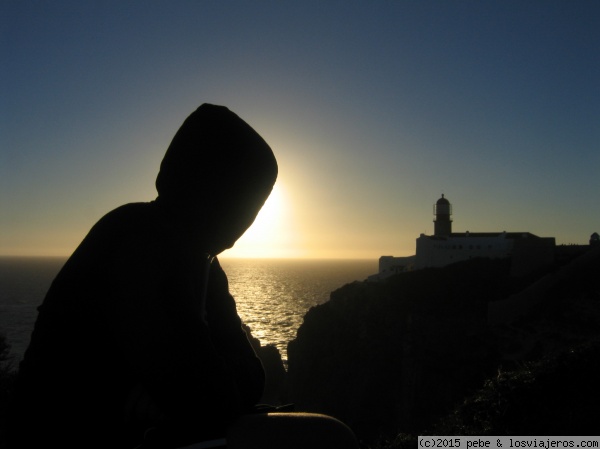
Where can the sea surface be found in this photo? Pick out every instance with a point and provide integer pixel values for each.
(272, 295)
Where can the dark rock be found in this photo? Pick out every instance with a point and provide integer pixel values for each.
(397, 356)
(553, 396)
(275, 373)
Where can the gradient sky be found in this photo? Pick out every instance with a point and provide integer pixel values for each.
(373, 108)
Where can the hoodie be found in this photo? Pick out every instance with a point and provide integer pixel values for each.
(132, 333)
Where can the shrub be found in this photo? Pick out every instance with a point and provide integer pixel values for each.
(554, 396)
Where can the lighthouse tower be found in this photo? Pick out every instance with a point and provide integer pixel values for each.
(442, 222)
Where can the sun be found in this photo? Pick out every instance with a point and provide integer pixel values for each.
(266, 237)
(270, 214)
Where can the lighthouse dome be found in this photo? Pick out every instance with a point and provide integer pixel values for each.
(442, 200)
(442, 211)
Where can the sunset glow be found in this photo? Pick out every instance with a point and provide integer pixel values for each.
(271, 234)
(373, 110)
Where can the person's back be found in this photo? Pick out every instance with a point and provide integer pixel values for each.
(74, 371)
(85, 358)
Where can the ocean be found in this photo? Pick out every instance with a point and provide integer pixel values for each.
(272, 295)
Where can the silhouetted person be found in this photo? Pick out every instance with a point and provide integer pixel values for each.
(138, 330)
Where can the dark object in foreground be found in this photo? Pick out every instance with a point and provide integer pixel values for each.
(139, 330)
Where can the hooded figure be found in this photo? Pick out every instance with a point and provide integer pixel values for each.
(138, 329)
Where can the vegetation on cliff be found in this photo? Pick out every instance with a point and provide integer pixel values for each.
(552, 396)
(399, 356)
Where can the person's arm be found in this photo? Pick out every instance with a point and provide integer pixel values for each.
(165, 342)
(231, 340)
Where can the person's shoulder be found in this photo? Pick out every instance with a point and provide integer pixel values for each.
(131, 215)
(125, 223)
(130, 211)
(112, 236)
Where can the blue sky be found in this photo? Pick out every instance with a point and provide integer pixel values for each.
(373, 108)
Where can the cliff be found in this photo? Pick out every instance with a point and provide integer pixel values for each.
(399, 355)
(275, 375)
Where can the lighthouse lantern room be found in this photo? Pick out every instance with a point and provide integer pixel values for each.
(442, 210)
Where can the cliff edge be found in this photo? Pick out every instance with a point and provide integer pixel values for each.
(400, 355)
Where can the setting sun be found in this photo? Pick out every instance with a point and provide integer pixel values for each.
(270, 234)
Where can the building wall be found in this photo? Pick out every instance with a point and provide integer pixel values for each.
(390, 265)
(439, 251)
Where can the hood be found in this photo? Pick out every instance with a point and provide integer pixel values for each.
(217, 166)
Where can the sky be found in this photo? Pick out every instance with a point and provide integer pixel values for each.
(373, 109)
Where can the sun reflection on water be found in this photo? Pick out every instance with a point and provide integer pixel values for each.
(272, 295)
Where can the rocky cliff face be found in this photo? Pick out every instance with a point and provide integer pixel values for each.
(275, 374)
(400, 354)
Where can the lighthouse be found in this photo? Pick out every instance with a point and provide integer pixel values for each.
(527, 252)
(442, 222)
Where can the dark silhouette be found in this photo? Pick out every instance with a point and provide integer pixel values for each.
(138, 340)
(467, 343)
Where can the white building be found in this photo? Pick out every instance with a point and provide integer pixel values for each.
(390, 265)
(526, 251)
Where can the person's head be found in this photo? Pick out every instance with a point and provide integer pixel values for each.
(216, 175)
